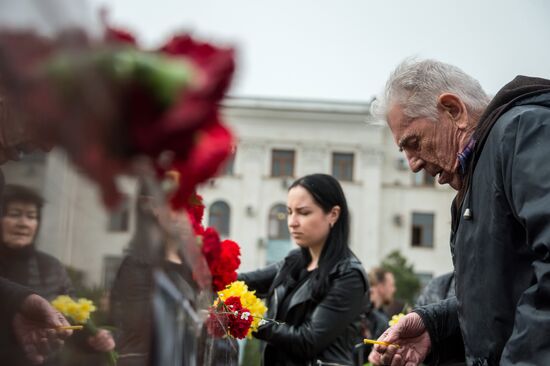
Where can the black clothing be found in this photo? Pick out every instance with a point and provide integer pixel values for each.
(292, 288)
(45, 276)
(132, 310)
(502, 254)
(374, 322)
(12, 296)
(439, 288)
(325, 331)
(36, 270)
(378, 321)
(131, 302)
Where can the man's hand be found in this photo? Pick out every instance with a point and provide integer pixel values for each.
(103, 341)
(413, 340)
(35, 328)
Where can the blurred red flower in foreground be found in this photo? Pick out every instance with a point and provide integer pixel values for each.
(107, 104)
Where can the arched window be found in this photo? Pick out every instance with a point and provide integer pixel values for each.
(218, 217)
(278, 237)
(278, 228)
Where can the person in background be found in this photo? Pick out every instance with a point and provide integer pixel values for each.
(317, 292)
(382, 289)
(22, 263)
(31, 324)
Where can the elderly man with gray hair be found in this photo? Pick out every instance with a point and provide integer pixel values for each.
(495, 153)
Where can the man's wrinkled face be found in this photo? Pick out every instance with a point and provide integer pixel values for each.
(432, 146)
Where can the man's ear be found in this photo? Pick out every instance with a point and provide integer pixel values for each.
(455, 109)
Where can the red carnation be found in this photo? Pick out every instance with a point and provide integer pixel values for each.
(198, 229)
(195, 206)
(240, 318)
(224, 269)
(217, 322)
(211, 246)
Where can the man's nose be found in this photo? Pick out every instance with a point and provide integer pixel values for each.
(415, 163)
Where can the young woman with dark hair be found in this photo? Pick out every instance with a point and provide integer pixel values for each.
(318, 291)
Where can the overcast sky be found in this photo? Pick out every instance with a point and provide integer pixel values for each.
(345, 49)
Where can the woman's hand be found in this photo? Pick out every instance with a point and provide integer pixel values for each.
(102, 342)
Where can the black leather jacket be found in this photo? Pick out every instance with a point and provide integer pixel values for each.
(323, 333)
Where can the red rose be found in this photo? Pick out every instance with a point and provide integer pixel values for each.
(212, 148)
(106, 106)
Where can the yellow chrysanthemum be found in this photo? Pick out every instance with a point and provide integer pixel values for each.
(248, 300)
(78, 311)
(84, 308)
(395, 319)
(86, 305)
(61, 303)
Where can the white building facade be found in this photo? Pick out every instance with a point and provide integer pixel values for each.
(277, 142)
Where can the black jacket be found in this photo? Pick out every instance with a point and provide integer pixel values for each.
(502, 254)
(39, 272)
(36, 270)
(12, 296)
(439, 288)
(324, 331)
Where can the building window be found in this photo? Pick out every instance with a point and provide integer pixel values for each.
(278, 228)
(110, 269)
(218, 217)
(119, 219)
(278, 243)
(422, 178)
(422, 230)
(282, 163)
(229, 165)
(342, 166)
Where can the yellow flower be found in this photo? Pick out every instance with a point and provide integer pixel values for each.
(78, 311)
(395, 319)
(61, 303)
(249, 300)
(86, 305)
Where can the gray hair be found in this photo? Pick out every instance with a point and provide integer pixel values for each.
(416, 85)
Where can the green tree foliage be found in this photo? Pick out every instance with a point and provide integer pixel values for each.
(406, 281)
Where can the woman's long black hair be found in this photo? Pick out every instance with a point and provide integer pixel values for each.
(327, 193)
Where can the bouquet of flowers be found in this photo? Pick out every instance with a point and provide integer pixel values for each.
(237, 312)
(79, 313)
